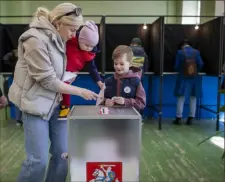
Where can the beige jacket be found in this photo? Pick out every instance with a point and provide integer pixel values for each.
(40, 67)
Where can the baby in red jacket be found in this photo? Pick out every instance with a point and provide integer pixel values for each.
(81, 51)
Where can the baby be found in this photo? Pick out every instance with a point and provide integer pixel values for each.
(81, 51)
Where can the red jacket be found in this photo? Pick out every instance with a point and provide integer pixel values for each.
(76, 58)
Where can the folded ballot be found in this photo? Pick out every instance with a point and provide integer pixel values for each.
(100, 96)
(69, 76)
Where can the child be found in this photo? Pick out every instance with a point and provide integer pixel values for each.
(124, 88)
(80, 51)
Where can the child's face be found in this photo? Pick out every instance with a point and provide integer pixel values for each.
(85, 47)
(121, 65)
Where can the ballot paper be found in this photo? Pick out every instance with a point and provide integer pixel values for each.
(100, 96)
(104, 110)
(69, 76)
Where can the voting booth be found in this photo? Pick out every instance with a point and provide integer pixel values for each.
(104, 146)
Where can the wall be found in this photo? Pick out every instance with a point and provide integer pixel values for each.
(173, 8)
(191, 8)
(179, 9)
(207, 9)
(219, 8)
(95, 8)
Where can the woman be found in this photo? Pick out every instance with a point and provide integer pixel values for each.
(37, 89)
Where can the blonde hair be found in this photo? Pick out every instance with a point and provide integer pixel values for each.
(58, 12)
(122, 50)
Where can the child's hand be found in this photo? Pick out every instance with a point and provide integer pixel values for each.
(100, 84)
(119, 100)
(109, 102)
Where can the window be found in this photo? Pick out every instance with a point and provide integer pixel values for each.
(191, 8)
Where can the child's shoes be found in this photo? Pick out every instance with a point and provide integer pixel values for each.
(64, 111)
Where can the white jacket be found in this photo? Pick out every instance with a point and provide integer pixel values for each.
(40, 67)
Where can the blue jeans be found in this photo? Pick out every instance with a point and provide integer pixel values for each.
(37, 133)
(18, 114)
(180, 106)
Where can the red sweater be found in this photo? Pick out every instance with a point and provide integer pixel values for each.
(76, 58)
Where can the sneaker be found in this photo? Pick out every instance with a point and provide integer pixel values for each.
(64, 111)
(177, 121)
(19, 123)
(189, 120)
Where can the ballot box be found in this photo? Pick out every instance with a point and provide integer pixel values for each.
(104, 147)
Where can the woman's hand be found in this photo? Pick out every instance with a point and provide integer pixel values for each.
(88, 95)
(109, 102)
(73, 90)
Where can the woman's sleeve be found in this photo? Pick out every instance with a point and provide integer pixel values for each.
(39, 65)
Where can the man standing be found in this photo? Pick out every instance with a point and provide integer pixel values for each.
(140, 59)
(188, 65)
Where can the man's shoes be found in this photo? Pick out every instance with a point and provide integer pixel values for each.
(19, 123)
(177, 121)
(189, 120)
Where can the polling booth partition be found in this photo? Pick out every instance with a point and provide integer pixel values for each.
(9, 34)
(156, 58)
(211, 46)
(161, 42)
(208, 38)
(173, 35)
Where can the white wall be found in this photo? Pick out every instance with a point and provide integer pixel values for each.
(191, 8)
(93, 8)
(219, 8)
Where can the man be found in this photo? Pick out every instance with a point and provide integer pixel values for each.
(3, 100)
(188, 65)
(140, 58)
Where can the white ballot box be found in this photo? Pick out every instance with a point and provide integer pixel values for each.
(104, 147)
